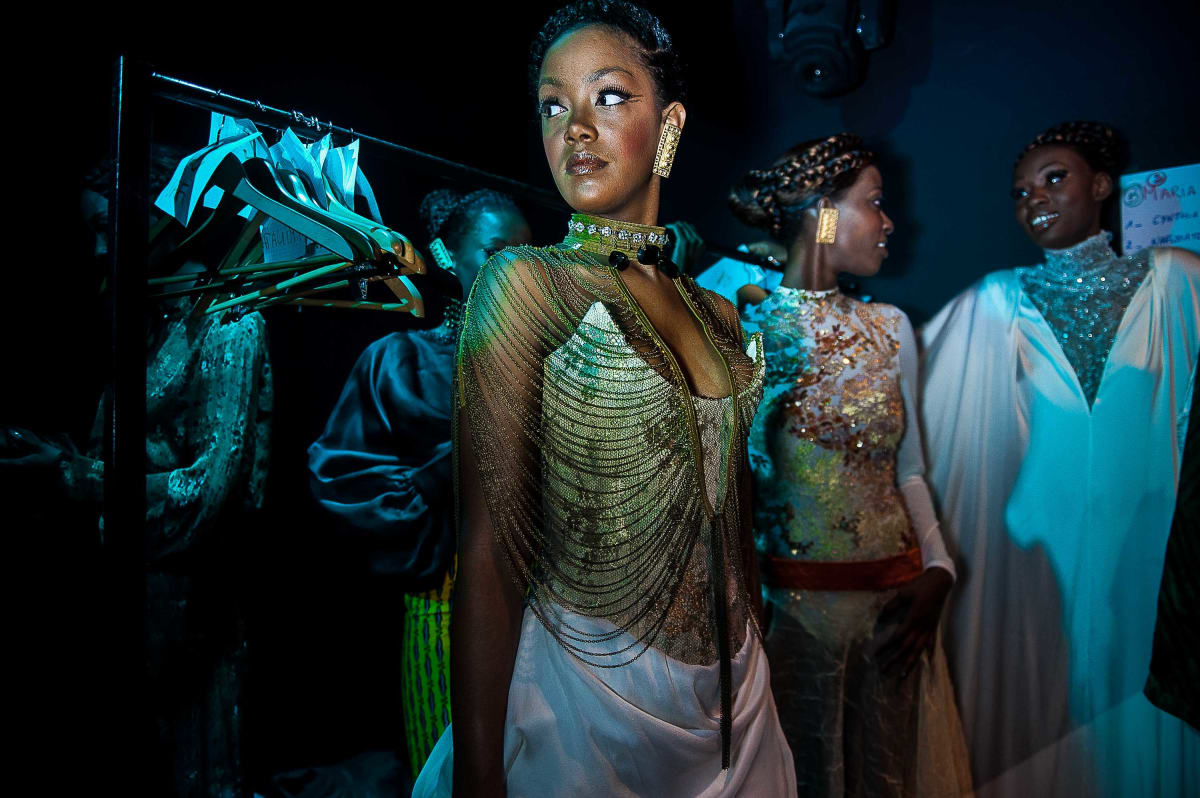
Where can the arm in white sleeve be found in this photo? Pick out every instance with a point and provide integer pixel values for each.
(910, 461)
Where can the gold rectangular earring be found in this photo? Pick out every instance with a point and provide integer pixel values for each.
(667, 144)
(441, 255)
(827, 226)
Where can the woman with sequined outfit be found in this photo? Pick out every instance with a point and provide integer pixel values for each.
(604, 632)
(1056, 399)
(855, 568)
(382, 467)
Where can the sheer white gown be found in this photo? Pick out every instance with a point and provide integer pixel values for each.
(1059, 509)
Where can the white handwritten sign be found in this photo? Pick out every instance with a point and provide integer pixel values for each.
(1161, 208)
(283, 243)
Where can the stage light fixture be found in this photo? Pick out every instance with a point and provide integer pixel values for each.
(826, 41)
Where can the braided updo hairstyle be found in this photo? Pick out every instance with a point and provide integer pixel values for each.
(775, 199)
(446, 213)
(656, 46)
(1098, 144)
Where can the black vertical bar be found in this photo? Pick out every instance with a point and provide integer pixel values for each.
(125, 419)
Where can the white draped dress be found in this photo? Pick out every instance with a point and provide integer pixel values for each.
(1058, 511)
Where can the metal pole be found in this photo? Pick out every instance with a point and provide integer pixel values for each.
(125, 408)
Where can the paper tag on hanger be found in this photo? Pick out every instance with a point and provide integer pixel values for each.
(182, 193)
(320, 148)
(281, 242)
(363, 189)
(341, 168)
(290, 153)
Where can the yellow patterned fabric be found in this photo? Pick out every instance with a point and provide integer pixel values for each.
(589, 451)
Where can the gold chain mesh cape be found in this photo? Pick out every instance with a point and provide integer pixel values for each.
(585, 437)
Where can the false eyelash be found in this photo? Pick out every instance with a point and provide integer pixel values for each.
(624, 95)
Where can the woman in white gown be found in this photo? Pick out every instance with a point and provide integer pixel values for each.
(605, 617)
(1055, 403)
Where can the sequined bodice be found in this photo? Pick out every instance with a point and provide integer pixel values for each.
(1082, 293)
(824, 444)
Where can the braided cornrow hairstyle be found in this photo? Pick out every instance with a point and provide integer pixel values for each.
(1100, 145)
(446, 212)
(655, 44)
(775, 199)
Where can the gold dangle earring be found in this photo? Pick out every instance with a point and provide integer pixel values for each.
(827, 226)
(668, 142)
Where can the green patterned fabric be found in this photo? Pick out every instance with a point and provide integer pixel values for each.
(426, 670)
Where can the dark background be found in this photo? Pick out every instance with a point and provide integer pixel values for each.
(949, 103)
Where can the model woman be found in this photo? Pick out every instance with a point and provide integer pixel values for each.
(383, 464)
(853, 559)
(1056, 401)
(604, 632)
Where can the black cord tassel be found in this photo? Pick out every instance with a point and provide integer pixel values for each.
(721, 616)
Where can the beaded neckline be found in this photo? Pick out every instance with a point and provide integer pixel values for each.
(602, 236)
(808, 295)
(1082, 294)
(1080, 261)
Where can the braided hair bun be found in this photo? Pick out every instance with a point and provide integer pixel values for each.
(775, 199)
(446, 212)
(1100, 145)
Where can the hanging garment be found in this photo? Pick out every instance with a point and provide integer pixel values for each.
(1055, 402)
(843, 518)
(208, 406)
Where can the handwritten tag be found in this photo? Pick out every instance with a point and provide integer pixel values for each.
(1161, 208)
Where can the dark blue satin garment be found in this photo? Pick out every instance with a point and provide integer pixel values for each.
(383, 464)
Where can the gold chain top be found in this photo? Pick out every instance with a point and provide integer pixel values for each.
(585, 439)
(590, 456)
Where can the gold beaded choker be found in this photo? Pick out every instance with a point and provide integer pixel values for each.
(603, 236)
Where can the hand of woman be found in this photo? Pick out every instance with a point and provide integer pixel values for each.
(772, 250)
(918, 608)
(688, 246)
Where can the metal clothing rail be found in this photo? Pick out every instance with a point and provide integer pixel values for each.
(186, 93)
(123, 553)
(310, 126)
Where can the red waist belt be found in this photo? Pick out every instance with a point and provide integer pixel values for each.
(861, 575)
